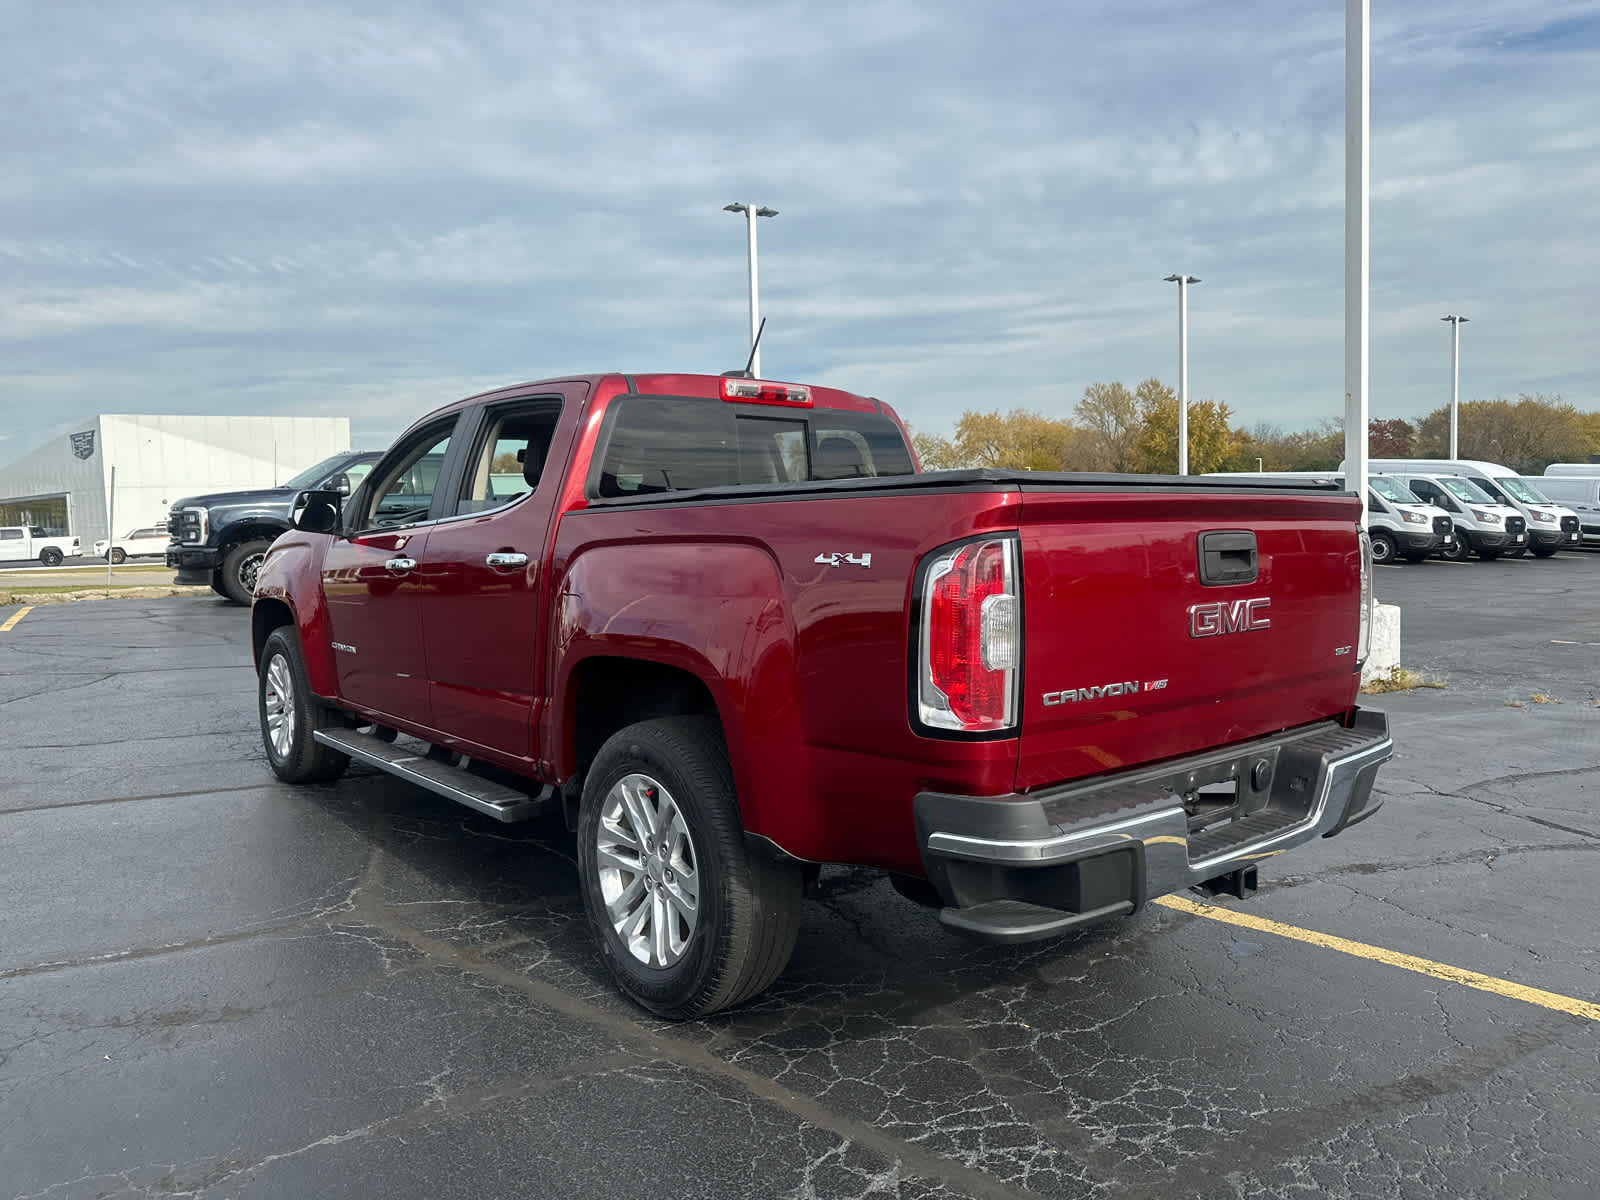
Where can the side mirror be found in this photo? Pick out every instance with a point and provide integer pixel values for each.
(321, 513)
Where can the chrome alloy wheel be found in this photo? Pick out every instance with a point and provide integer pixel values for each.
(279, 705)
(649, 876)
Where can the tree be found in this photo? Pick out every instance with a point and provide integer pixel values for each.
(1526, 434)
(936, 453)
(1156, 447)
(1020, 440)
(1109, 415)
(1390, 438)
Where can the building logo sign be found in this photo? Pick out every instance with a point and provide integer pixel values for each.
(83, 443)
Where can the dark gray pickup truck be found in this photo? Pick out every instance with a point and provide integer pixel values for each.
(221, 539)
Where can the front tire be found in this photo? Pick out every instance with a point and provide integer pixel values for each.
(291, 713)
(1488, 553)
(118, 556)
(1457, 550)
(240, 568)
(50, 556)
(1416, 556)
(1543, 551)
(1384, 548)
(688, 921)
(216, 584)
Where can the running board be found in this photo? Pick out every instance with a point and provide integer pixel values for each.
(486, 796)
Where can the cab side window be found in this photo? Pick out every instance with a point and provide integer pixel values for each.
(403, 486)
(512, 457)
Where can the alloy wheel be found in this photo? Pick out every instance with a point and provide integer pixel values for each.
(648, 870)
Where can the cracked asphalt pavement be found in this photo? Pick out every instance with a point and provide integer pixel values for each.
(215, 985)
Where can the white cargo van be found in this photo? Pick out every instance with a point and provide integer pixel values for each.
(1550, 526)
(1568, 469)
(1482, 524)
(1581, 493)
(1398, 524)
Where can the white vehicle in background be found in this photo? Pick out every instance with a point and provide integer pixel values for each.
(147, 542)
(27, 543)
(1482, 525)
(1581, 493)
(1566, 470)
(1398, 524)
(1550, 526)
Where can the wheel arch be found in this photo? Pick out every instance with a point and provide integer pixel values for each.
(273, 612)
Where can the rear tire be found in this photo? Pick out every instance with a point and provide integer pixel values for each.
(118, 556)
(291, 714)
(239, 570)
(687, 920)
(50, 556)
(1384, 548)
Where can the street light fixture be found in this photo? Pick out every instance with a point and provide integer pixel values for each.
(1183, 282)
(1455, 374)
(751, 212)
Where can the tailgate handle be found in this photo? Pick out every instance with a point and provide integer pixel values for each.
(1227, 556)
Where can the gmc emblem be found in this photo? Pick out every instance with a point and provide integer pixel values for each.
(1219, 617)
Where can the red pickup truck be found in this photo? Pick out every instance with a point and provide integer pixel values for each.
(729, 627)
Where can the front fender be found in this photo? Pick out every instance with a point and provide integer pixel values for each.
(291, 575)
(716, 611)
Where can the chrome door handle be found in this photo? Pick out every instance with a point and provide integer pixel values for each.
(503, 560)
(400, 566)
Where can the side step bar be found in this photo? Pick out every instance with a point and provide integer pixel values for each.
(485, 795)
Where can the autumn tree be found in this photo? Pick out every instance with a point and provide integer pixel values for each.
(1109, 417)
(1525, 434)
(935, 453)
(1390, 438)
(1019, 440)
(1156, 447)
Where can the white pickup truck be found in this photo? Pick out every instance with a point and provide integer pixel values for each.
(22, 543)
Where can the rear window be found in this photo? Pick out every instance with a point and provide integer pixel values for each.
(655, 446)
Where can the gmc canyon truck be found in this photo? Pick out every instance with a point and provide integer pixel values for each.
(221, 539)
(728, 627)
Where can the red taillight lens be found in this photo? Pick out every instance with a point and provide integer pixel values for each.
(971, 639)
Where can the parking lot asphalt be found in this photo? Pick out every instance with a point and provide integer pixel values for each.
(216, 985)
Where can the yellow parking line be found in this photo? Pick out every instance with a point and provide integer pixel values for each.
(15, 617)
(1407, 962)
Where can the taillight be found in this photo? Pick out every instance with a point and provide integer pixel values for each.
(1364, 635)
(971, 638)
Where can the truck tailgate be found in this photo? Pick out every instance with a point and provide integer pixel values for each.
(1130, 657)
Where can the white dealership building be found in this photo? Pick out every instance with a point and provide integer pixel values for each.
(65, 486)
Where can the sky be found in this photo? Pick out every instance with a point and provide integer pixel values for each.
(370, 210)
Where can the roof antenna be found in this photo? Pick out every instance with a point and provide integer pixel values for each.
(750, 362)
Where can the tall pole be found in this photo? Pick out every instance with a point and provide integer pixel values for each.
(1455, 378)
(1183, 282)
(751, 212)
(755, 295)
(1357, 175)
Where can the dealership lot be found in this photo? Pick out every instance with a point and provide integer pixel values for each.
(212, 984)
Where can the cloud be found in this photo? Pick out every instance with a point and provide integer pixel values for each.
(306, 208)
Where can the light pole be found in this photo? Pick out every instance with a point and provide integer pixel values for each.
(1183, 282)
(751, 212)
(1357, 227)
(1455, 375)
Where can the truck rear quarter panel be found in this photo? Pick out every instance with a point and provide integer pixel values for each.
(807, 661)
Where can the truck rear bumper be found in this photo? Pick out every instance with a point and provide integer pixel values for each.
(1015, 868)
